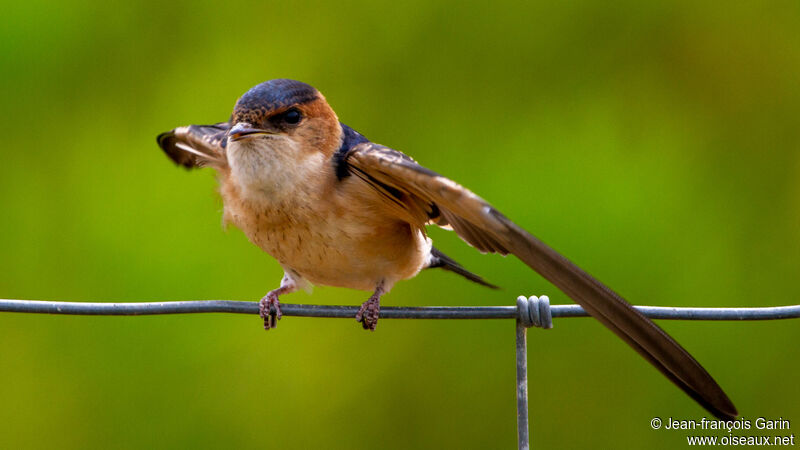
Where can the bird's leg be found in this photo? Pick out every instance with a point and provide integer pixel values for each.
(270, 301)
(368, 313)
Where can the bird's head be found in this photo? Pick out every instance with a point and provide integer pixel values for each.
(283, 116)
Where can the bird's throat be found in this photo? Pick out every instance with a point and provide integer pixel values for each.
(272, 172)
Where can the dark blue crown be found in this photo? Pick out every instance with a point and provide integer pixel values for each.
(275, 94)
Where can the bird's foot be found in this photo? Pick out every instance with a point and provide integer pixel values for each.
(368, 313)
(269, 308)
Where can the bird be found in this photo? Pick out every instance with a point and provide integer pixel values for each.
(336, 209)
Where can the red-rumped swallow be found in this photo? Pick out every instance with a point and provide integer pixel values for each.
(336, 209)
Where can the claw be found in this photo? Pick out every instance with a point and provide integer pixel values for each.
(269, 308)
(368, 313)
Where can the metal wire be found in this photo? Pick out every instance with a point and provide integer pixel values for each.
(388, 312)
(533, 311)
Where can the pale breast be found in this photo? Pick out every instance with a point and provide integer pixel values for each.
(330, 235)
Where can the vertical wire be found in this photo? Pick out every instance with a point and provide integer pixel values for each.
(523, 439)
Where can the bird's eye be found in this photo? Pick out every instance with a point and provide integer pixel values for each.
(292, 116)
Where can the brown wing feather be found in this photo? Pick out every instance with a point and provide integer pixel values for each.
(196, 145)
(488, 230)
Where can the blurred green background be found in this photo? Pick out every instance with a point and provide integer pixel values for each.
(657, 145)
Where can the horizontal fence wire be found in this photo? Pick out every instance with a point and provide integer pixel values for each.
(532, 311)
(388, 312)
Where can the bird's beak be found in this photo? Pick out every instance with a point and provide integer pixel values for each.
(244, 130)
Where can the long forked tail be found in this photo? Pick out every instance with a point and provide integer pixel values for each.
(623, 319)
(439, 259)
(479, 224)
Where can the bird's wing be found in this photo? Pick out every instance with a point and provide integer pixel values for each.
(478, 223)
(196, 145)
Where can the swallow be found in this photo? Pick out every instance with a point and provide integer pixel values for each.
(336, 209)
